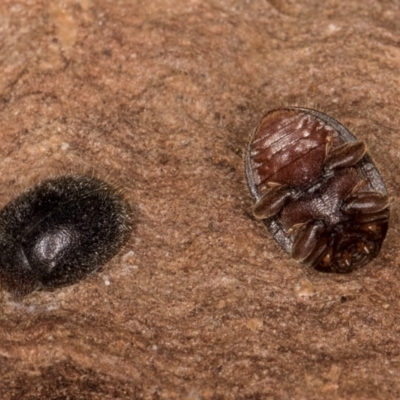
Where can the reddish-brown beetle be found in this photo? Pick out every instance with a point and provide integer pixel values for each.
(317, 189)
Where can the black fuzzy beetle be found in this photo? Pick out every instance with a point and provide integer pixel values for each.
(59, 231)
(317, 189)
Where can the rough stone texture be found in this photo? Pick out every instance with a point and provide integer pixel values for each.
(160, 96)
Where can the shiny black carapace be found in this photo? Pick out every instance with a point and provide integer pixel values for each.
(317, 189)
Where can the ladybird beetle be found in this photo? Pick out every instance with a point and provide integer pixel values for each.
(316, 189)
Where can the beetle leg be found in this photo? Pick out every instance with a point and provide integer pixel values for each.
(305, 239)
(268, 186)
(329, 141)
(321, 256)
(272, 201)
(328, 256)
(378, 217)
(295, 228)
(346, 155)
(365, 203)
(359, 186)
(370, 227)
(365, 247)
(273, 184)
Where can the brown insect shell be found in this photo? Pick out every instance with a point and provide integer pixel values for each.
(307, 175)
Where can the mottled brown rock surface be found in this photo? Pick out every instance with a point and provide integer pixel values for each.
(201, 304)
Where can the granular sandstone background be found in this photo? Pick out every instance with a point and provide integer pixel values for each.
(160, 96)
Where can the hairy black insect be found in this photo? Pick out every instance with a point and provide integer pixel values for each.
(60, 231)
(317, 189)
